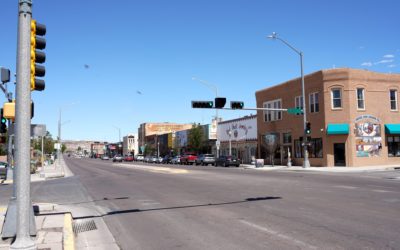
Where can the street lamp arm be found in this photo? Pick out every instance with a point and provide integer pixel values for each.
(275, 36)
(209, 85)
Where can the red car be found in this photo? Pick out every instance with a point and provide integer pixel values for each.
(188, 158)
(128, 158)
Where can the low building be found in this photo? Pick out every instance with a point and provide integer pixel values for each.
(77, 146)
(98, 148)
(147, 129)
(130, 144)
(240, 137)
(354, 117)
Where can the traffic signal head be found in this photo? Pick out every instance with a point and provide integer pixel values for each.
(37, 43)
(3, 121)
(237, 105)
(202, 104)
(308, 128)
(220, 102)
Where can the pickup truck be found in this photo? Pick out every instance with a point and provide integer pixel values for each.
(188, 159)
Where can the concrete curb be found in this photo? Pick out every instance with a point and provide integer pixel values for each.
(68, 233)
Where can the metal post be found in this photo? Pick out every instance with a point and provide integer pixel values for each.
(306, 162)
(230, 142)
(59, 138)
(23, 131)
(42, 151)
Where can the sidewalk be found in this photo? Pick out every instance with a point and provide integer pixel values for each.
(324, 169)
(56, 170)
(55, 226)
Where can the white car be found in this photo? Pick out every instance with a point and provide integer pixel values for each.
(105, 157)
(139, 158)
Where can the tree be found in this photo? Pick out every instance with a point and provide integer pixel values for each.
(48, 143)
(63, 148)
(196, 137)
(79, 149)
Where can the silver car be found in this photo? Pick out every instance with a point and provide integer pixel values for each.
(3, 169)
(205, 159)
(176, 159)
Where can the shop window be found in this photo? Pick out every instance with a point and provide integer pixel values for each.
(287, 138)
(315, 149)
(270, 115)
(393, 146)
(336, 95)
(314, 103)
(393, 99)
(360, 99)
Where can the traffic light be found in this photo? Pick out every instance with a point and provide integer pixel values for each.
(3, 121)
(237, 105)
(220, 102)
(202, 104)
(308, 128)
(37, 43)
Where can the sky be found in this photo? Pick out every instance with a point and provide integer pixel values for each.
(112, 65)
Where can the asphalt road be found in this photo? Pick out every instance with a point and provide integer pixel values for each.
(193, 207)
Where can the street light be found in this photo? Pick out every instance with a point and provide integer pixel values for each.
(230, 141)
(215, 90)
(274, 36)
(119, 138)
(59, 128)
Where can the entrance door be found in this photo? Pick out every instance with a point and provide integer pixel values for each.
(339, 153)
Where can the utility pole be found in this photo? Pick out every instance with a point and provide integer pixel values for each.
(23, 124)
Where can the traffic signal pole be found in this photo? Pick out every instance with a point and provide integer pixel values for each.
(23, 123)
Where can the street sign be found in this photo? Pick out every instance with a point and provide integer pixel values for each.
(38, 130)
(57, 146)
(217, 143)
(295, 111)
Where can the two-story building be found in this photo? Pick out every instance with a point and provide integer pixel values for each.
(354, 117)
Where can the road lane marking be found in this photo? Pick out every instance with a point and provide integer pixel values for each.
(347, 187)
(382, 191)
(164, 170)
(279, 235)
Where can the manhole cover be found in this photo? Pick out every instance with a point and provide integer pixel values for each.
(80, 226)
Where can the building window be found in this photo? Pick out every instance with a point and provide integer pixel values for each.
(314, 103)
(314, 149)
(360, 98)
(393, 146)
(270, 115)
(393, 99)
(336, 98)
(287, 138)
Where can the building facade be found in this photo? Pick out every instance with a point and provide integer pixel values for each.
(97, 149)
(130, 144)
(147, 129)
(354, 117)
(77, 146)
(240, 136)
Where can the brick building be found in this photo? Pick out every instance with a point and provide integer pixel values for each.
(354, 116)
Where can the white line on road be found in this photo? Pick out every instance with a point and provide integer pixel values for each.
(347, 187)
(279, 235)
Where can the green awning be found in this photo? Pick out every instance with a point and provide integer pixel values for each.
(392, 128)
(338, 129)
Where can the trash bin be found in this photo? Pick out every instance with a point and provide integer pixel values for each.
(259, 163)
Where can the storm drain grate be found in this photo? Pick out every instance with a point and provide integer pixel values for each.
(80, 226)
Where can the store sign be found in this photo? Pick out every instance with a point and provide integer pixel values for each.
(240, 130)
(368, 136)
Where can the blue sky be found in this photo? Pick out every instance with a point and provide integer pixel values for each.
(156, 47)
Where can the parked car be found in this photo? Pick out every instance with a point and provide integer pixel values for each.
(105, 157)
(146, 159)
(128, 158)
(167, 159)
(117, 158)
(188, 159)
(227, 161)
(139, 157)
(159, 160)
(3, 169)
(176, 159)
(205, 159)
(153, 159)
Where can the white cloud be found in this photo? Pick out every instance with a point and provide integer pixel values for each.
(361, 47)
(384, 61)
(388, 56)
(392, 66)
(368, 64)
